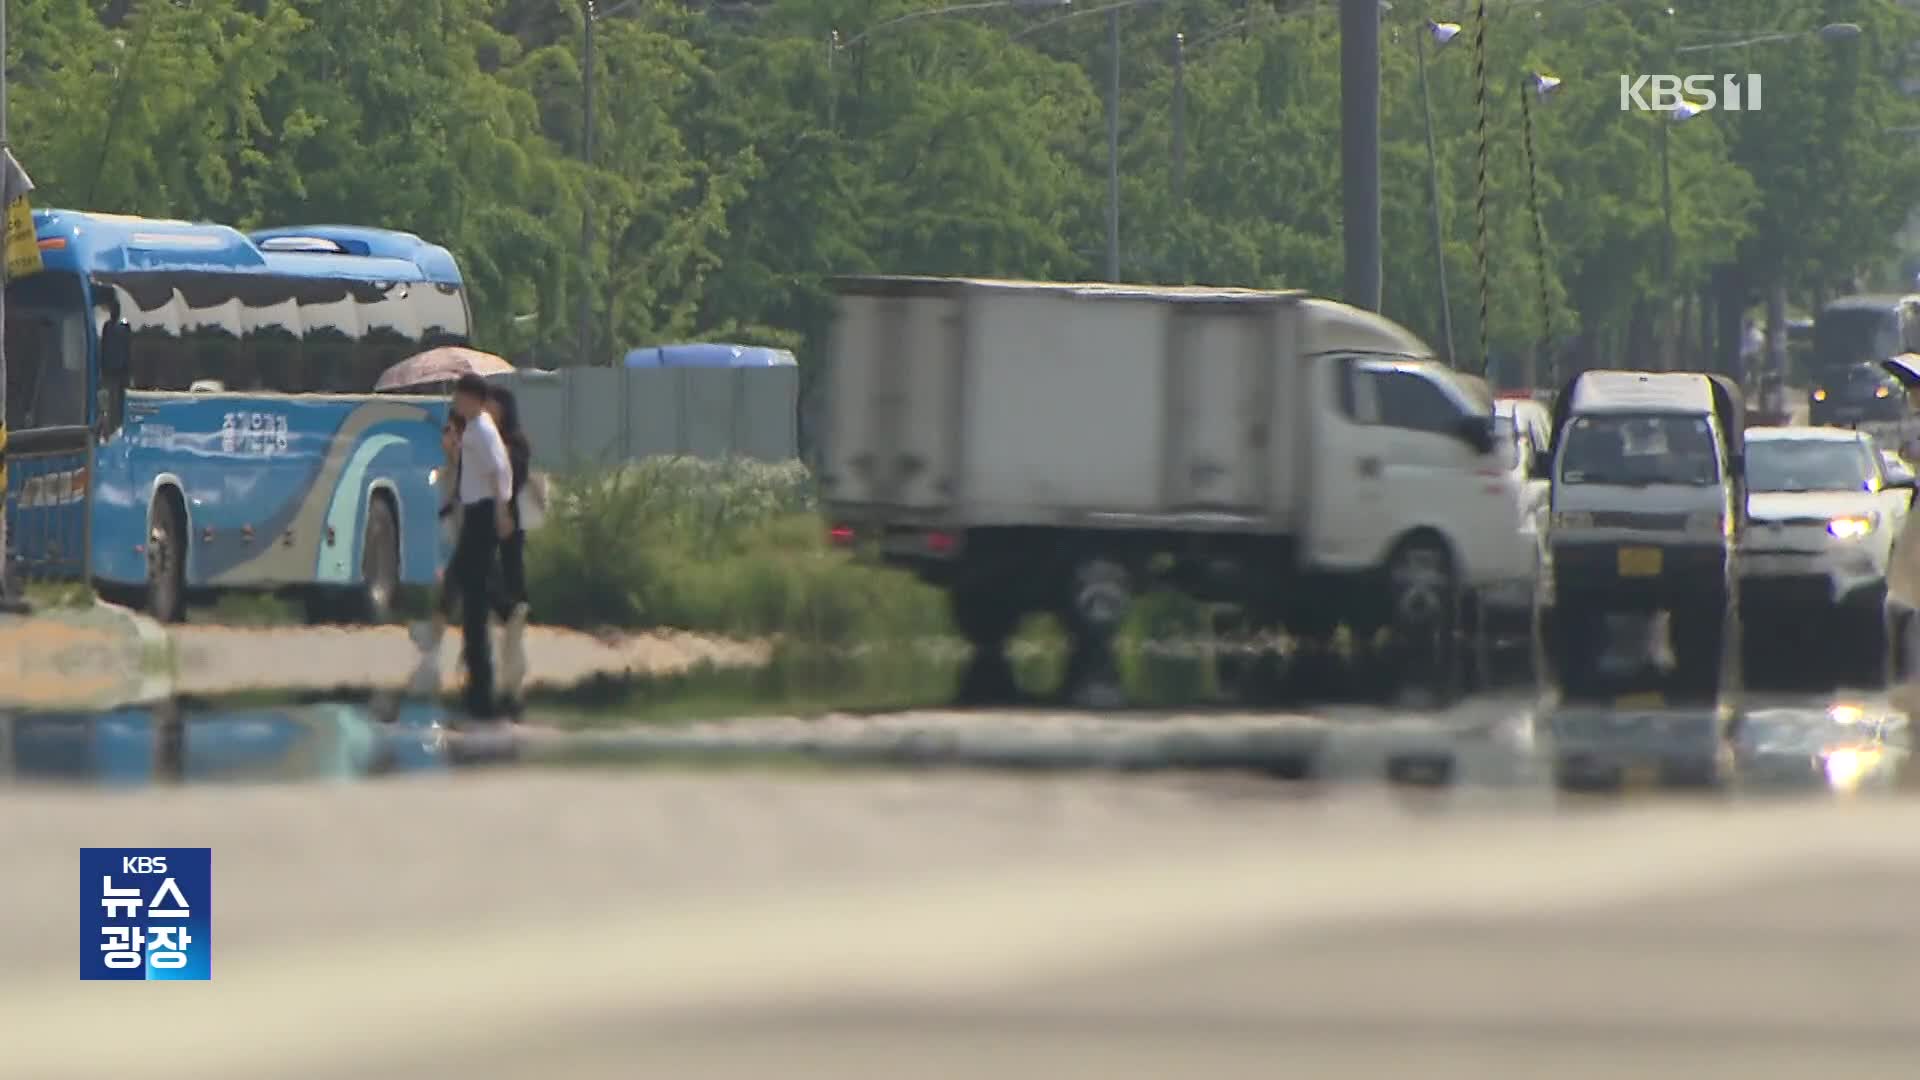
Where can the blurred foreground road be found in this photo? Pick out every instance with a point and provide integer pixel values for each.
(576, 924)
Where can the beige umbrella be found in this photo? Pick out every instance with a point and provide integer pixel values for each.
(436, 366)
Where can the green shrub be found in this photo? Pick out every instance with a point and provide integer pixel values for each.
(730, 547)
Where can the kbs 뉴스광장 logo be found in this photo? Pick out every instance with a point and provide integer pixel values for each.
(146, 913)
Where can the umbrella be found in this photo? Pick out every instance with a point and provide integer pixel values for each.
(442, 365)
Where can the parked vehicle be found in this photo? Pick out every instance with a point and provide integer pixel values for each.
(1824, 515)
(1649, 507)
(1033, 447)
(191, 411)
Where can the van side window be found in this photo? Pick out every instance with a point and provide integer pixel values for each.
(1413, 402)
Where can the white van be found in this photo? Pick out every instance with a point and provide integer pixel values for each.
(1046, 447)
(1648, 508)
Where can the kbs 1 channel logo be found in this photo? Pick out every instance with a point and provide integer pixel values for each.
(146, 914)
(1681, 96)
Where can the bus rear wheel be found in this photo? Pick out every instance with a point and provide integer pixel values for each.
(166, 561)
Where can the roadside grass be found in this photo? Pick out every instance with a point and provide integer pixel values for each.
(733, 548)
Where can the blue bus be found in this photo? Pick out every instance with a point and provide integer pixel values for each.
(191, 412)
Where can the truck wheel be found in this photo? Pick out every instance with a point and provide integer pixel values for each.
(986, 621)
(166, 561)
(1425, 595)
(1102, 594)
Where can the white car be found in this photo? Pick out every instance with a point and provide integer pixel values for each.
(1815, 563)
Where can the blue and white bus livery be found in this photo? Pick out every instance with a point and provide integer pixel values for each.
(192, 411)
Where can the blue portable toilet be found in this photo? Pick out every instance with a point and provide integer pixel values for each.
(702, 354)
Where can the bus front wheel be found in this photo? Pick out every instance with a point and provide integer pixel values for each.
(166, 561)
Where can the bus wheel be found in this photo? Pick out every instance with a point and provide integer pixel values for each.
(380, 563)
(166, 561)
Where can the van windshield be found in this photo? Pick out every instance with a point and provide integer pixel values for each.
(1640, 451)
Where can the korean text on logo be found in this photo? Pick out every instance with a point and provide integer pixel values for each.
(146, 913)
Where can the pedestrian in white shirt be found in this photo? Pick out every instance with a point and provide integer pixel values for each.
(486, 517)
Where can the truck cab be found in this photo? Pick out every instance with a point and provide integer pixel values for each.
(1648, 506)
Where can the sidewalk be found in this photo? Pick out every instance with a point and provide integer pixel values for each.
(107, 655)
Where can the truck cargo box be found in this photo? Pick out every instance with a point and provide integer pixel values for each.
(985, 403)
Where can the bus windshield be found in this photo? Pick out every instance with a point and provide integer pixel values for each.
(1855, 335)
(46, 352)
(1640, 451)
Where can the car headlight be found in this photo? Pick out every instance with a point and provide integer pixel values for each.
(1880, 392)
(1851, 527)
(433, 477)
(1571, 519)
(1819, 395)
(1706, 524)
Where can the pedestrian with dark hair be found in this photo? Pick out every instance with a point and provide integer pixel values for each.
(446, 482)
(510, 600)
(485, 493)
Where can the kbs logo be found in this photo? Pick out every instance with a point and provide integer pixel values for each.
(1667, 93)
(146, 914)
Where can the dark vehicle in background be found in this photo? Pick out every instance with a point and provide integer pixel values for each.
(1855, 394)
(1852, 337)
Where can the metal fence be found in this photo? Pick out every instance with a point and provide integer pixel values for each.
(580, 417)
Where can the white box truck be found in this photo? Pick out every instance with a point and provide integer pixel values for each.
(1039, 447)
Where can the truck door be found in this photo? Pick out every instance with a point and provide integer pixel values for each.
(1219, 408)
(893, 402)
(1348, 513)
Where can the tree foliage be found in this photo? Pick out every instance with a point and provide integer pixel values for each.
(740, 159)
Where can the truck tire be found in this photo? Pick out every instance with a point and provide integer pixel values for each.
(166, 559)
(1423, 591)
(1102, 593)
(986, 619)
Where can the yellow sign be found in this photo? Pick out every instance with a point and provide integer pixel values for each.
(1639, 562)
(23, 244)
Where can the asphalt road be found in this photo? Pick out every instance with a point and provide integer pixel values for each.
(579, 924)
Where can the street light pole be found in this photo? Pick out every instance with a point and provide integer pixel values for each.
(1433, 183)
(1113, 145)
(6, 553)
(1360, 149)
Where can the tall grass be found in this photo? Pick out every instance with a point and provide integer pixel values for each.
(731, 547)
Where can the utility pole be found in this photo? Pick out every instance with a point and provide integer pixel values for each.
(1360, 149)
(1433, 200)
(6, 552)
(1179, 120)
(1113, 145)
(586, 192)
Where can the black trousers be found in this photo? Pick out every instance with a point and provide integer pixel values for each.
(513, 574)
(472, 573)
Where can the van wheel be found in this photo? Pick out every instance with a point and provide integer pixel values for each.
(166, 561)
